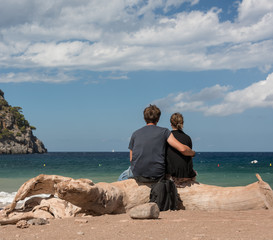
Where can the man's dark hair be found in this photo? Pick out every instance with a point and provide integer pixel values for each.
(152, 114)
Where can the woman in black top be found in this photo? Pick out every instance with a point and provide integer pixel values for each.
(179, 167)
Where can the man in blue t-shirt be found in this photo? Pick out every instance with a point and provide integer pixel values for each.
(148, 146)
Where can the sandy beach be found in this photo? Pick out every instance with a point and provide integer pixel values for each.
(195, 225)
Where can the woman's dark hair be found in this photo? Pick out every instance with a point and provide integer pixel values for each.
(151, 114)
(177, 121)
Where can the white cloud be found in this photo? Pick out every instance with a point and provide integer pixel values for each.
(114, 76)
(59, 77)
(251, 11)
(220, 101)
(130, 35)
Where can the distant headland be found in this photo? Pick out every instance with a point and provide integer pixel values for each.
(16, 135)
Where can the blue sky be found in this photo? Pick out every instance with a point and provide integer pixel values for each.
(83, 71)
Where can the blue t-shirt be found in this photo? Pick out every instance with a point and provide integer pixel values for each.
(149, 147)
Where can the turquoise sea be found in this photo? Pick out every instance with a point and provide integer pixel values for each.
(217, 168)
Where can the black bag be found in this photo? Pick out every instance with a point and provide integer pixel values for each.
(164, 194)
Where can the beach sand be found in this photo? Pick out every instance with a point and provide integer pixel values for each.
(194, 225)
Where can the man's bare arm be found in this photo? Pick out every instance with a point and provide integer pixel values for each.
(184, 149)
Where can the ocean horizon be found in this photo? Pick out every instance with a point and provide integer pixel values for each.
(214, 168)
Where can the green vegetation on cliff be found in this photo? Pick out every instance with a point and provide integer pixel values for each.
(14, 114)
(16, 135)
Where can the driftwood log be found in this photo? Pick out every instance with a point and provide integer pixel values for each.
(70, 197)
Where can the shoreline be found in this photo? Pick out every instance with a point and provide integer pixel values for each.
(182, 224)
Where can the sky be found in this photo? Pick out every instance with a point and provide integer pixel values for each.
(84, 70)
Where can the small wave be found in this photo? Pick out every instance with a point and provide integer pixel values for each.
(7, 198)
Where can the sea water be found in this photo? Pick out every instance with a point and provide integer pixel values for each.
(216, 168)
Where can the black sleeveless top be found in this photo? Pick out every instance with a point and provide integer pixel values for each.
(178, 165)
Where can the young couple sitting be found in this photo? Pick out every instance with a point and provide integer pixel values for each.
(156, 152)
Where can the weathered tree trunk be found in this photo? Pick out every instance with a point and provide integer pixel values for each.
(38, 207)
(119, 197)
(42, 184)
(257, 195)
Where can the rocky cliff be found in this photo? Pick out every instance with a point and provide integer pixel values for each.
(16, 135)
